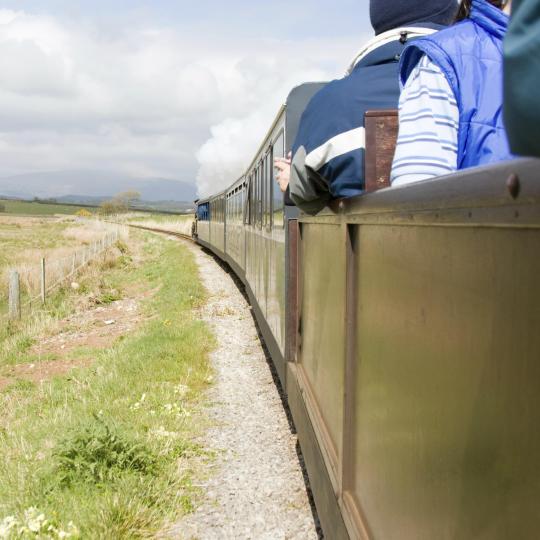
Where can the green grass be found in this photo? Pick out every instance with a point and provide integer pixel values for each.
(16, 238)
(29, 208)
(161, 218)
(25, 240)
(101, 446)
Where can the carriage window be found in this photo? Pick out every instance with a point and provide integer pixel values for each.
(278, 151)
(261, 193)
(246, 206)
(268, 189)
(253, 197)
(251, 200)
(258, 199)
(202, 212)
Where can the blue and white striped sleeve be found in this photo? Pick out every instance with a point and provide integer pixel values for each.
(428, 126)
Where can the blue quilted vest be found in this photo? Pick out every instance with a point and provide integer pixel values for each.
(470, 55)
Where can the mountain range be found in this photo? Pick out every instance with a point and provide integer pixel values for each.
(75, 186)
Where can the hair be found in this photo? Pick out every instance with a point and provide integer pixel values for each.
(465, 8)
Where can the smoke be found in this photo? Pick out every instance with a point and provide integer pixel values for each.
(255, 88)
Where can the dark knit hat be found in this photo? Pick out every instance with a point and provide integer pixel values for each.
(388, 14)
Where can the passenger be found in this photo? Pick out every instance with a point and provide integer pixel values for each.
(522, 78)
(328, 151)
(450, 108)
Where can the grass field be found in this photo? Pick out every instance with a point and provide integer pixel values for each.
(25, 240)
(177, 223)
(22, 237)
(29, 208)
(106, 451)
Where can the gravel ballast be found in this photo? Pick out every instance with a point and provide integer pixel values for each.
(256, 489)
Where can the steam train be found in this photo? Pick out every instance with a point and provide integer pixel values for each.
(404, 326)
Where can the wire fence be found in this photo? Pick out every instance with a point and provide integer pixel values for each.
(31, 283)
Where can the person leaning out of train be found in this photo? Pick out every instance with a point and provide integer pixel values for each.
(328, 153)
(450, 108)
(522, 78)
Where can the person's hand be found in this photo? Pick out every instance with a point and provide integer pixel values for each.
(283, 166)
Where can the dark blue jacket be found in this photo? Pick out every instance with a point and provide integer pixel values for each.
(470, 55)
(328, 152)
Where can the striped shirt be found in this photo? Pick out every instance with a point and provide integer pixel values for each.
(428, 126)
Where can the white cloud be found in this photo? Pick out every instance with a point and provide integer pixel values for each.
(148, 101)
(254, 89)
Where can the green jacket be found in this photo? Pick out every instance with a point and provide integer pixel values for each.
(522, 78)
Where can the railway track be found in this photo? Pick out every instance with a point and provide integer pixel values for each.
(163, 231)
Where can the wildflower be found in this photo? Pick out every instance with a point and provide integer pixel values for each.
(181, 390)
(137, 405)
(175, 410)
(35, 521)
(161, 432)
(7, 525)
(35, 525)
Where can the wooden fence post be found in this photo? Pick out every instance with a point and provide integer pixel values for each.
(14, 296)
(43, 284)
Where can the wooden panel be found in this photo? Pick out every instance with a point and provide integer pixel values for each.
(328, 510)
(448, 382)
(321, 350)
(292, 290)
(381, 136)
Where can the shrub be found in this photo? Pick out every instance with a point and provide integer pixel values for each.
(99, 454)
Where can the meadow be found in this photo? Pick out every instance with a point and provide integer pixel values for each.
(33, 208)
(164, 222)
(25, 240)
(107, 450)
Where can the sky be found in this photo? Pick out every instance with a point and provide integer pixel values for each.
(162, 88)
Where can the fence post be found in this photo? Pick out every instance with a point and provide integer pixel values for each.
(73, 264)
(14, 296)
(43, 285)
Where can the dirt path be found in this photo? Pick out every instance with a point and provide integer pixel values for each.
(257, 488)
(91, 328)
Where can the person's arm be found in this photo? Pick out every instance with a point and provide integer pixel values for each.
(283, 174)
(428, 127)
(308, 189)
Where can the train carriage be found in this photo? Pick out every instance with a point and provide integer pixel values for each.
(245, 225)
(404, 328)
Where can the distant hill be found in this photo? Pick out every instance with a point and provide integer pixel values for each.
(142, 204)
(92, 187)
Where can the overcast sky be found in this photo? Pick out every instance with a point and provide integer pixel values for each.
(161, 88)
